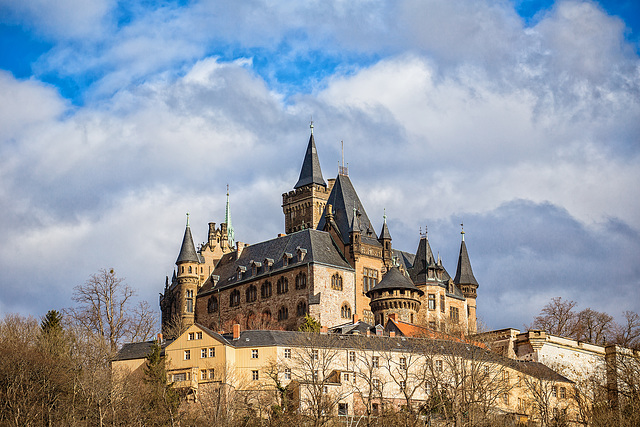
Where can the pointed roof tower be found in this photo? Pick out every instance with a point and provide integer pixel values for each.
(188, 249)
(423, 261)
(384, 233)
(464, 273)
(227, 220)
(310, 173)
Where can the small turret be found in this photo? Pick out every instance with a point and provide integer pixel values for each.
(185, 292)
(385, 241)
(466, 281)
(395, 294)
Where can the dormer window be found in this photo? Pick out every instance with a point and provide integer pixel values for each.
(285, 258)
(268, 263)
(256, 267)
(301, 253)
(241, 270)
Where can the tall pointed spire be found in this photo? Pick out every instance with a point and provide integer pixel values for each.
(310, 173)
(227, 220)
(384, 233)
(188, 249)
(464, 273)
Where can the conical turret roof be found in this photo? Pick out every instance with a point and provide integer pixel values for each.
(187, 250)
(395, 279)
(384, 233)
(310, 173)
(423, 260)
(464, 273)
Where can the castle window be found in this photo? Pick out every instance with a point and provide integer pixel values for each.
(182, 376)
(251, 293)
(190, 336)
(438, 365)
(375, 362)
(336, 282)
(345, 311)
(283, 313)
(212, 352)
(301, 281)
(182, 268)
(203, 374)
(442, 303)
(203, 353)
(189, 269)
(370, 279)
(265, 290)
(212, 305)
(352, 356)
(301, 310)
(198, 335)
(254, 353)
(454, 314)
(189, 307)
(282, 285)
(563, 392)
(234, 298)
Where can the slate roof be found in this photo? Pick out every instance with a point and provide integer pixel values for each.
(138, 350)
(422, 261)
(384, 233)
(187, 250)
(394, 279)
(404, 258)
(310, 172)
(318, 244)
(464, 273)
(351, 328)
(343, 198)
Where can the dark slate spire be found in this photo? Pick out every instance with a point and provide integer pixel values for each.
(423, 260)
(464, 273)
(384, 234)
(310, 173)
(188, 249)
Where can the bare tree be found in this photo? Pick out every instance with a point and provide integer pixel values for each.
(104, 310)
(628, 334)
(557, 318)
(592, 326)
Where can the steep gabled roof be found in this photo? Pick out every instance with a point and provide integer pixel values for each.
(318, 244)
(187, 250)
(464, 273)
(310, 172)
(343, 199)
(422, 261)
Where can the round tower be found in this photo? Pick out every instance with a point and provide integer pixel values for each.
(395, 294)
(187, 278)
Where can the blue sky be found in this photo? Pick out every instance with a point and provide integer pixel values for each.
(517, 117)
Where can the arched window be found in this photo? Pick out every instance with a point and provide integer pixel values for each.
(301, 281)
(345, 311)
(283, 313)
(212, 305)
(336, 282)
(189, 269)
(301, 310)
(234, 298)
(266, 316)
(265, 290)
(282, 285)
(251, 294)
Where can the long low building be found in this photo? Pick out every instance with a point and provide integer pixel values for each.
(357, 374)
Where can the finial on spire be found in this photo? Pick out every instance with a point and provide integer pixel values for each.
(462, 232)
(227, 190)
(384, 215)
(426, 231)
(311, 125)
(187, 219)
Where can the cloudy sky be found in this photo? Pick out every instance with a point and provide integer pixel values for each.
(520, 118)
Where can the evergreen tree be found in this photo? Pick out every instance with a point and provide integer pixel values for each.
(310, 325)
(163, 401)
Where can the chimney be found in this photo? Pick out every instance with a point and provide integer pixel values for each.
(159, 338)
(236, 331)
(368, 332)
(239, 248)
(281, 235)
(392, 334)
(392, 316)
(324, 330)
(355, 318)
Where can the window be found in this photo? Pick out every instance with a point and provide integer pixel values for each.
(454, 314)
(314, 354)
(336, 282)
(265, 290)
(438, 365)
(345, 376)
(212, 305)
(375, 383)
(182, 376)
(343, 409)
(432, 301)
(187, 354)
(442, 303)
(234, 298)
(191, 336)
(203, 374)
(432, 325)
(251, 294)
(203, 353)
(189, 301)
(554, 391)
(505, 376)
(563, 392)
(254, 375)
(287, 373)
(403, 363)
(283, 313)
(403, 385)
(345, 311)
(505, 398)
(369, 279)
(211, 374)
(301, 281)
(301, 309)
(198, 335)
(375, 361)
(254, 353)
(212, 352)
(352, 356)
(282, 285)
(375, 408)
(287, 353)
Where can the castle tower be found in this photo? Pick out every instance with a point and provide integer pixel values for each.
(187, 278)
(385, 241)
(467, 283)
(304, 206)
(395, 294)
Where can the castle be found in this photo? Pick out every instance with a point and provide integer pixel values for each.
(330, 264)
